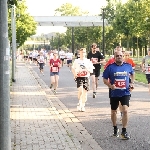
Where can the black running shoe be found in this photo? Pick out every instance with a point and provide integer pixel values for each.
(116, 131)
(125, 136)
(94, 94)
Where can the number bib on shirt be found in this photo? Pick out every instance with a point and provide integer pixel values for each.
(148, 69)
(120, 84)
(94, 60)
(82, 73)
(54, 69)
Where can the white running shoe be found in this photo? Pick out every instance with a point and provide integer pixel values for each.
(79, 107)
(83, 109)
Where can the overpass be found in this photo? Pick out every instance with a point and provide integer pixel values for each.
(69, 21)
(72, 21)
(36, 42)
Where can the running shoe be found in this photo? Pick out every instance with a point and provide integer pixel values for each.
(125, 136)
(83, 109)
(51, 86)
(94, 94)
(54, 91)
(79, 108)
(116, 131)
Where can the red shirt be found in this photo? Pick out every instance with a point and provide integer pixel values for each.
(110, 61)
(54, 65)
(130, 61)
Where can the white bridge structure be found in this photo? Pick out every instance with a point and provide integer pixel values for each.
(72, 21)
(36, 42)
(69, 21)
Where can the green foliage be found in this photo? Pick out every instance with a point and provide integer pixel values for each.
(25, 24)
(129, 26)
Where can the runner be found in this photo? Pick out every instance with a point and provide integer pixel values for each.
(40, 60)
(62, 57)
(55, 65)
(69, 56)
(118, 73)
(146, 67)
(30, 57)
(81, 69)
(110, 61)
(97, 58)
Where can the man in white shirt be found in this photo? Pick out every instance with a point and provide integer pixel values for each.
(62, 56)
(82, 67)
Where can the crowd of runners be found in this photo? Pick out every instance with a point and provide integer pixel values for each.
(118, 76)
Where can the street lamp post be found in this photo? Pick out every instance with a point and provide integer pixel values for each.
(13, 28)
(103, 47)
(72, 40)
(5, 130)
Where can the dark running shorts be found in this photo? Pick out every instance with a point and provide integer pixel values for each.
(62, 59)
(69, 61)
(148, 78)
(41, 65)
(96, 72)
(114, 101)
(83, 81)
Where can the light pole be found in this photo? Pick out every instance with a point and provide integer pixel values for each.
(72, 39)
(5, 130)
(103, 47)
(13, 28)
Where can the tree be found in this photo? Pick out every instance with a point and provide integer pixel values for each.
(25, 24)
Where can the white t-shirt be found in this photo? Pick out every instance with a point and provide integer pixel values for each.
(83, 68)
(69, 56)
(62, 54)
(51, 56)
(41, 59)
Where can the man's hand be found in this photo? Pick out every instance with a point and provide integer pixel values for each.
(131, 87)
(113, 87)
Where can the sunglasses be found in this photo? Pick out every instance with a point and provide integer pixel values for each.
(118, 55)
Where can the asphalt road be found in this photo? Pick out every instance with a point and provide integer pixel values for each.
(96, 118)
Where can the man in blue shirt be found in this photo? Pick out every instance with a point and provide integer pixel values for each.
(116, 77)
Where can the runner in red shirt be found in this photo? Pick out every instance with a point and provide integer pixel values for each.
(55, 65)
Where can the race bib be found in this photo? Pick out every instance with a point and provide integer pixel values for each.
(82, 74)
(94, 60)
(120, 84)
(54, 69)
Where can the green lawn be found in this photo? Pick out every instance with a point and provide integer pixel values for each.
(140, 77)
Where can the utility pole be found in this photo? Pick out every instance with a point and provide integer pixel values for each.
(5, 133)
(103, 31)
(72, 40)
(13, 28)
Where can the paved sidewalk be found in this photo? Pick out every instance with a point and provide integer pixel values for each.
(40, 121)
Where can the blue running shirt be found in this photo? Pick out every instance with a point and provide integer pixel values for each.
(119, 76)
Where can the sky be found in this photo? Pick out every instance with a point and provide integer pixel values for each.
(47, 8)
